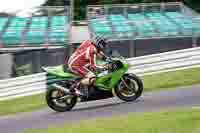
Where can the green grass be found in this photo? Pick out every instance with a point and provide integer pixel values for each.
(24, 104)
(177, 121)
(170, 80)
(151, 83)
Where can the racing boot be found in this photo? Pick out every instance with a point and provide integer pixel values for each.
(76, 89)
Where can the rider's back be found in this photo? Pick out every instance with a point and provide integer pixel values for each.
(80, 52)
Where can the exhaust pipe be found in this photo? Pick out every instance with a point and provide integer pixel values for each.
(61, 88)
(66, 91)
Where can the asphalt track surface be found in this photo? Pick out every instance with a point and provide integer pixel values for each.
(148, 102)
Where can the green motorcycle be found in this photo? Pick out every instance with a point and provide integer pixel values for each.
(114, 81)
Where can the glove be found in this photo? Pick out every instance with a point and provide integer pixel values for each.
(100, 68)
(108, 67)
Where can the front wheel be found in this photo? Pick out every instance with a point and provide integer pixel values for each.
(129, 88)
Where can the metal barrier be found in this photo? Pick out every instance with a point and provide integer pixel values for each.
(144, 65)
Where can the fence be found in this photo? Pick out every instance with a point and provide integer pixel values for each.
(144, 65)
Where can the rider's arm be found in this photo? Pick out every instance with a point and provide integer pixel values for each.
(93, 57)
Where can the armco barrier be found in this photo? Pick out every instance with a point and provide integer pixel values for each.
(144, 65)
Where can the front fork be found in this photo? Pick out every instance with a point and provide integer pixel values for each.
(124, 82)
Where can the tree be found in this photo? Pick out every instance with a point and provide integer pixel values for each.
(55, 2)
(80, 5)
(195, 4)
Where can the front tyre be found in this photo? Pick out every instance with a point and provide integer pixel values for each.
(129, 88)
(54, 100)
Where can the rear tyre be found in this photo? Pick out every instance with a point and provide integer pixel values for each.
(129, 88)
(54, 100)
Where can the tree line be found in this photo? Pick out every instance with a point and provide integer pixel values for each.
(81, 5)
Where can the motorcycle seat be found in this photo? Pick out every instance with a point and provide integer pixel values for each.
(66, 69)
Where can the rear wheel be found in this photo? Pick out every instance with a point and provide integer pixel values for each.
(59, 101)
(129, 88)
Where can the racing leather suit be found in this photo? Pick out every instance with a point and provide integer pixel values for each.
(83, 59)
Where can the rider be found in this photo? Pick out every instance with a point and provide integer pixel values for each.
(83, 61)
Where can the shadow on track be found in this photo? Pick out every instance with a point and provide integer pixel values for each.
(90, 107)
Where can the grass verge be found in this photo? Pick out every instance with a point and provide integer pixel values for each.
(179, 121)
(24, 104)
(151, 83)
(170, 80)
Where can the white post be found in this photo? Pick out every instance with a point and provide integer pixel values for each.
(6, 65)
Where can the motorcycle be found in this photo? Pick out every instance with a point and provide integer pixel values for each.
(111, 82)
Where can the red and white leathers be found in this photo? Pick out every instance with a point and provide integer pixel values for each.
(83, 57)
